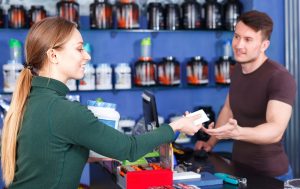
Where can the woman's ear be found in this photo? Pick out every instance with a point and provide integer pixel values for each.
(52, 56)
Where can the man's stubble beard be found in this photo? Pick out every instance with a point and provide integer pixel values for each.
(247, 61)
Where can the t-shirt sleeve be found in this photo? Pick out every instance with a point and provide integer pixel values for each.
(282, 87)
(79, 126)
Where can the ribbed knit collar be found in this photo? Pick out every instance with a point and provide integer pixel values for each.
(53, 84)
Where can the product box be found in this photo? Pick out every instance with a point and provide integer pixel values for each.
(145, 178)
(107, 114)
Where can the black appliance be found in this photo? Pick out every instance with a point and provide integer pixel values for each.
(200, 135)
(127, 13)
(35, 14)
(17, 17)
(223, 70)
(213, 14)
(69, 10)
(145, 72)
(155, 16)
(172, 16)
(169, 71)
(197, 71)
(232, 10)
(101, 15)
(191, 14)
(1, 18)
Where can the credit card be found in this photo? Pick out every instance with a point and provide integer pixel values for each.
(203, 117)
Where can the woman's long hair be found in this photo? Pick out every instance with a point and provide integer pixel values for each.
(50, 33)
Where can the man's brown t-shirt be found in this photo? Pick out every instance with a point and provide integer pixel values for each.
(249, 95)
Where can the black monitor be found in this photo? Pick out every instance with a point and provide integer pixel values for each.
(149, 110)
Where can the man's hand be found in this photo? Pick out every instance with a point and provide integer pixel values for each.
(228, 131)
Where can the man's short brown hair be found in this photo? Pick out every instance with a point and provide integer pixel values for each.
(258, 21)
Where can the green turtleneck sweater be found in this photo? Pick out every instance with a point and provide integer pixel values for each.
(57, 134)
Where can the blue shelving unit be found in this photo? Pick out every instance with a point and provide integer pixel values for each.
(116, 46)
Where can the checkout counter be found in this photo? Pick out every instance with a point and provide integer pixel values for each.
(215, 162)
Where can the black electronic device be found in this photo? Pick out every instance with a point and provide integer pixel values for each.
(200, 154)
(149, 110)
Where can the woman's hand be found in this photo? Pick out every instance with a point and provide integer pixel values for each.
(186, 125)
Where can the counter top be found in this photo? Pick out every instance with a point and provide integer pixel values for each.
(101, 178)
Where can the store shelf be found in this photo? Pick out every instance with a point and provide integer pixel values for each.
(115, 46)
(152, 88)
(129, 30)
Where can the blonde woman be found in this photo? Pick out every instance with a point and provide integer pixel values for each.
(46, 138)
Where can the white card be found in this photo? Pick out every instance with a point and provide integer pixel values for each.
(203, 117)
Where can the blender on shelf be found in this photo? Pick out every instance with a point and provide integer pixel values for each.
(127, 13)
(101, 15)
(145, 68)
(224, 65)
(69, 10)
(12, 69)
(169, 71)
(197, 71)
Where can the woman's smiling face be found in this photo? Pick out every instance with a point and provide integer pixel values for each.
(71, 58)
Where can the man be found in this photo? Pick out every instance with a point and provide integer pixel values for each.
(258, 106)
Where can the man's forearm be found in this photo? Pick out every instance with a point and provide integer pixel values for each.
(266, 133)
(223, 118)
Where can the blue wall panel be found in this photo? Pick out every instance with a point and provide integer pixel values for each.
(275, 9)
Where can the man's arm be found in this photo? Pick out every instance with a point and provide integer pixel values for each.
(223, 117)
(277, 117)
